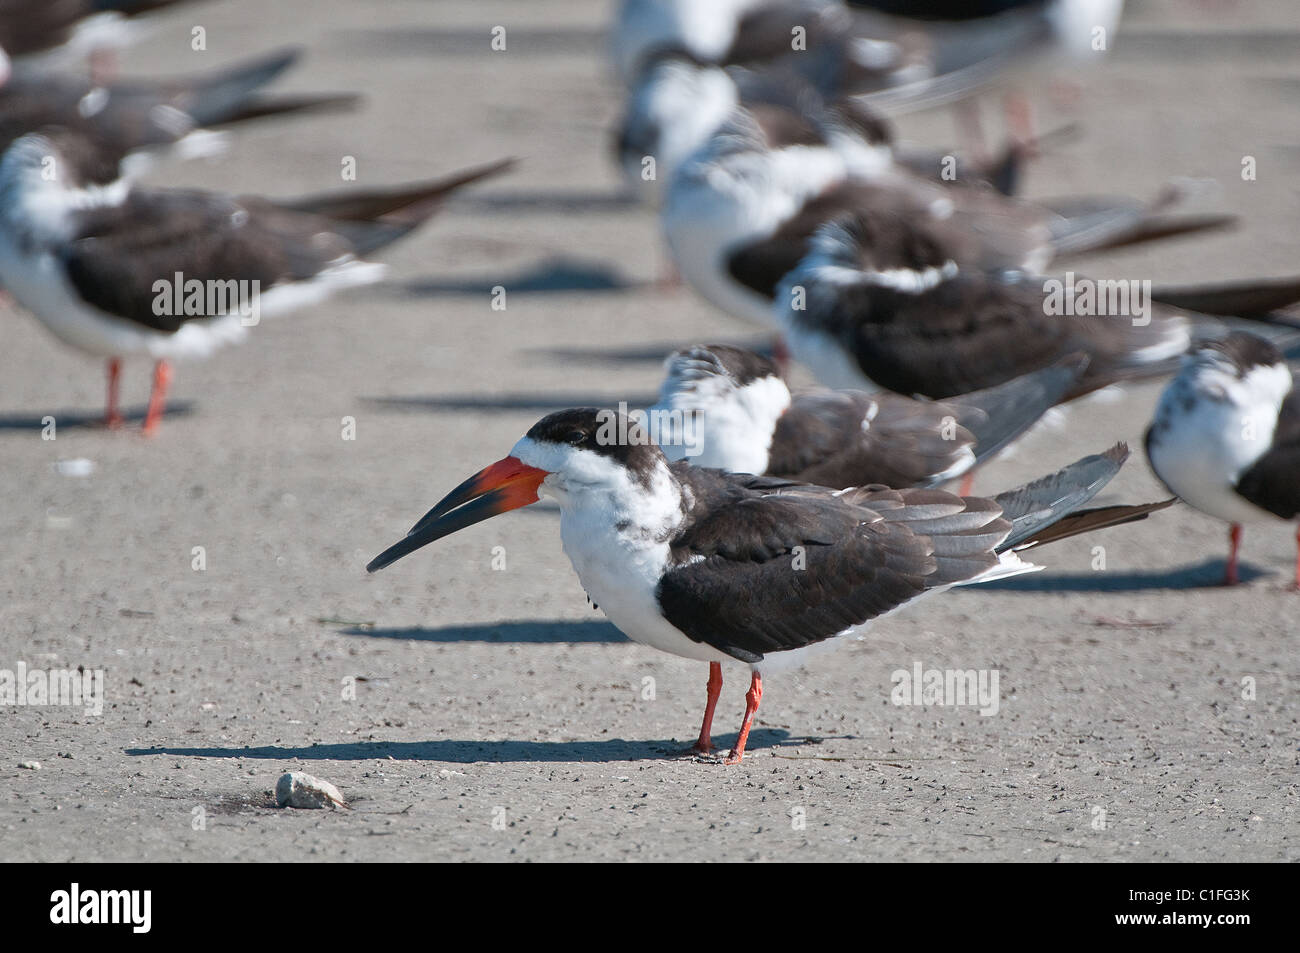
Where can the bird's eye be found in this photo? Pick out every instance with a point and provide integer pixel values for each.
(575, 437)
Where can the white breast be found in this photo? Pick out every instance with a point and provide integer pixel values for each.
(1200, 446)
(823, 355)
(38, 282)
(621, 577)
(1075, 23)
(819, 351)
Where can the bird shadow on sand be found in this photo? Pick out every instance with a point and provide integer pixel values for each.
(549, 201)
(1157, 44)
(536, 402)
(553, 276)
(1206, 575)
(559, 631)
(456, 751)
(453, 41)
(90, 420)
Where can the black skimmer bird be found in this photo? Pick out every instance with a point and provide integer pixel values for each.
(117, 270)
(739, 213)
(1226, 437)
(126, 116)
(60, 30)
(745, 419)
(863, 309)
(721, 567)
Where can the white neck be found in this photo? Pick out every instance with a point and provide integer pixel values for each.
(734, 425)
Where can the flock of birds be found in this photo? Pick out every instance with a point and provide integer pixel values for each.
(913, 284)
(119, 270)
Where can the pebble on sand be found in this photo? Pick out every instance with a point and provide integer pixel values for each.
(296, 789)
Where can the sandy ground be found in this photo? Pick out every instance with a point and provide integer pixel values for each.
(496, 716)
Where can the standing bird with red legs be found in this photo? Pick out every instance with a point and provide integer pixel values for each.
(119, 271)
(1226, 437)
(732, 568)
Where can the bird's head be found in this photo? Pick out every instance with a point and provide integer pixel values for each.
(1240, 368)
(46, 177)
(676, 104)
(590, 459)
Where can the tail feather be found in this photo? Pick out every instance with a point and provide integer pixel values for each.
(1091, 519)
(1155, 226)
(263, 106)
(216, 97)
(1247, 297)
(404, 204)
(1009, 409)
(1036, 506)
(1096, 223)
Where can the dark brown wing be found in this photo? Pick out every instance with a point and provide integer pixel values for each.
(121, 252)
(848, 438)
(900, 222)
(898, 238)
(1273, 482)
(765, 34)
(966, 334)
(975, 331)
(783, 568)
(31, 26)
(983, 228)
(408, 204)
(136, 114)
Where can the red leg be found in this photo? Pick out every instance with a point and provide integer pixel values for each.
(1020, 122)
(103, 65)
(162, 378)
(967, 483)
(112, 418)
(781, 355)
(1234, 544)
(705, 745)
(752, 698)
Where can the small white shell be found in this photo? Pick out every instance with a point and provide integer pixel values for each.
(296, 789)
